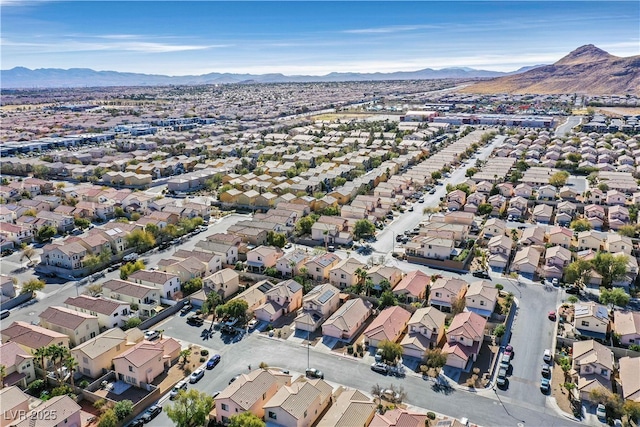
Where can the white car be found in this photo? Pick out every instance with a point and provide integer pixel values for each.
(547, 357)
(182, 385)
(151, 335)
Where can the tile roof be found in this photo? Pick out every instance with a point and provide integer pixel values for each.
(389, 324)
(11, 354)
(62, 406)
(249, 388)
(135, 290)
(351, 408)
(99, 305)
(31, 336)
(415, 283)
(469, 325)
(349, 314)
(65, 317)
(629, 369)
(298, 398)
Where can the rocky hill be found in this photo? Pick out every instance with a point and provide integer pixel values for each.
(587, 70)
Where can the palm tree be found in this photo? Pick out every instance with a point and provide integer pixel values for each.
(292, 264)
(56, 354)
(385, 285)
(185, 355)
(71, 364)
(41, 353)
(368, 286)
(361, 274)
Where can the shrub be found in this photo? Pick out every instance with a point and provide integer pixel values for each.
(499, 286)
(203, 359)
(36, 387)
(350, 349)
(263, 365)
(204, 352)
(431, 415)
(83, 384)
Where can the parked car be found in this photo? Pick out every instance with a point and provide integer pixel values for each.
(287, 246)
(252, 324)
(481, 273)
(410, 209)
(151, 335)
(187, 308)
(195, 320)
(573, 290)
(196, 376)
(505, 360)
(552, 315)
(547, 357)
(545, 385)
(380, 368)
(138, 422)
(182, 385)
(151, 413)
(509, 350)
(501, 381)
(601, 412)
(234, 378)
(546, 371)
(331, 248)
(314, 373)
(213, 361)
(378, 356)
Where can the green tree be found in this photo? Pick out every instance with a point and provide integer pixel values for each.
(499, 330)
(559, 179)
(45, 233)
(191, 286)
(434, 358)
(141, 240)
(611, 267)
(213, 300)
(108, 419)
(132, 322)
(92, 262)
(82, 223)
(470, 172)
(485, 208)
(578, 272)
(391, 352)
(339, 181)
(387, 299)
(627, 230)
(631, 409)
(184, 354)
(236, 309)
(363, 228)
(123, 409)
(436, 175)
(190, 408)
(276, 239)
(32, 285)
(580, 225)
(304, 225)
(131, 267)
(246, 419)
(615, 296)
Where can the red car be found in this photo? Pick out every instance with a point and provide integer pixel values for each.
(552, 315)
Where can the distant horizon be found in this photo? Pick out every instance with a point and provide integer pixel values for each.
(308, 38)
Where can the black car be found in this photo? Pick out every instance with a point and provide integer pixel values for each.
(481, 273)
(151, 413)
(187, 308)
(195, 320)
(314, 373)
(573, 290)
(138, 422)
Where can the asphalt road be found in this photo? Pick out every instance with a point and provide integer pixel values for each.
(570, 123)
(482, 407)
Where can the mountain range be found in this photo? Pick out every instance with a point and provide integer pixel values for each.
(20, 77)
(586, 70)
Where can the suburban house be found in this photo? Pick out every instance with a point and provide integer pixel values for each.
(299, 404)
(412, 287)
(111, 313)
(560, 236)
(283, 298)
(425, 331)
(379, 274)
(556, 259)
(68, 256)
(290, 264)
(629, 378)
(319, 267)
(249, 393)
(542, 213)
(263, 257)
(494, 227)
(225, 282)
(526, 261)
(481, 298)
(31, 337)
(318, 305)
(499, 251)
(626, 324)
(143, 362)
(64, 408)
(346, 321)
(398, 418)
(95, 357)
(445, 290)
(431, 247)
(593, 365)
(387, 326)
(15, 403)
(167, 283)
(344, 273)
(147, 298)
(351, 408)
(591, 320)
(590, 239)
(79, 327)
(19, 366)
(464, 338)
(532, 236)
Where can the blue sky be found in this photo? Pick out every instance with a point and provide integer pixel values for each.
(181, 38)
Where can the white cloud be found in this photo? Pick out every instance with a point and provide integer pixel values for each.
(389, 29)
(120, 43)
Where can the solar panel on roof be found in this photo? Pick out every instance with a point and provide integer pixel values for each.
(265, 287)
(325, 296)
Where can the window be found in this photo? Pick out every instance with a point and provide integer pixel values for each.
(85, 360)
(585, 323)
(604, 372)
(272, 415)
(438, 294)
(481, 302)
(130, 368)
(224, 407)
(342, 276)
